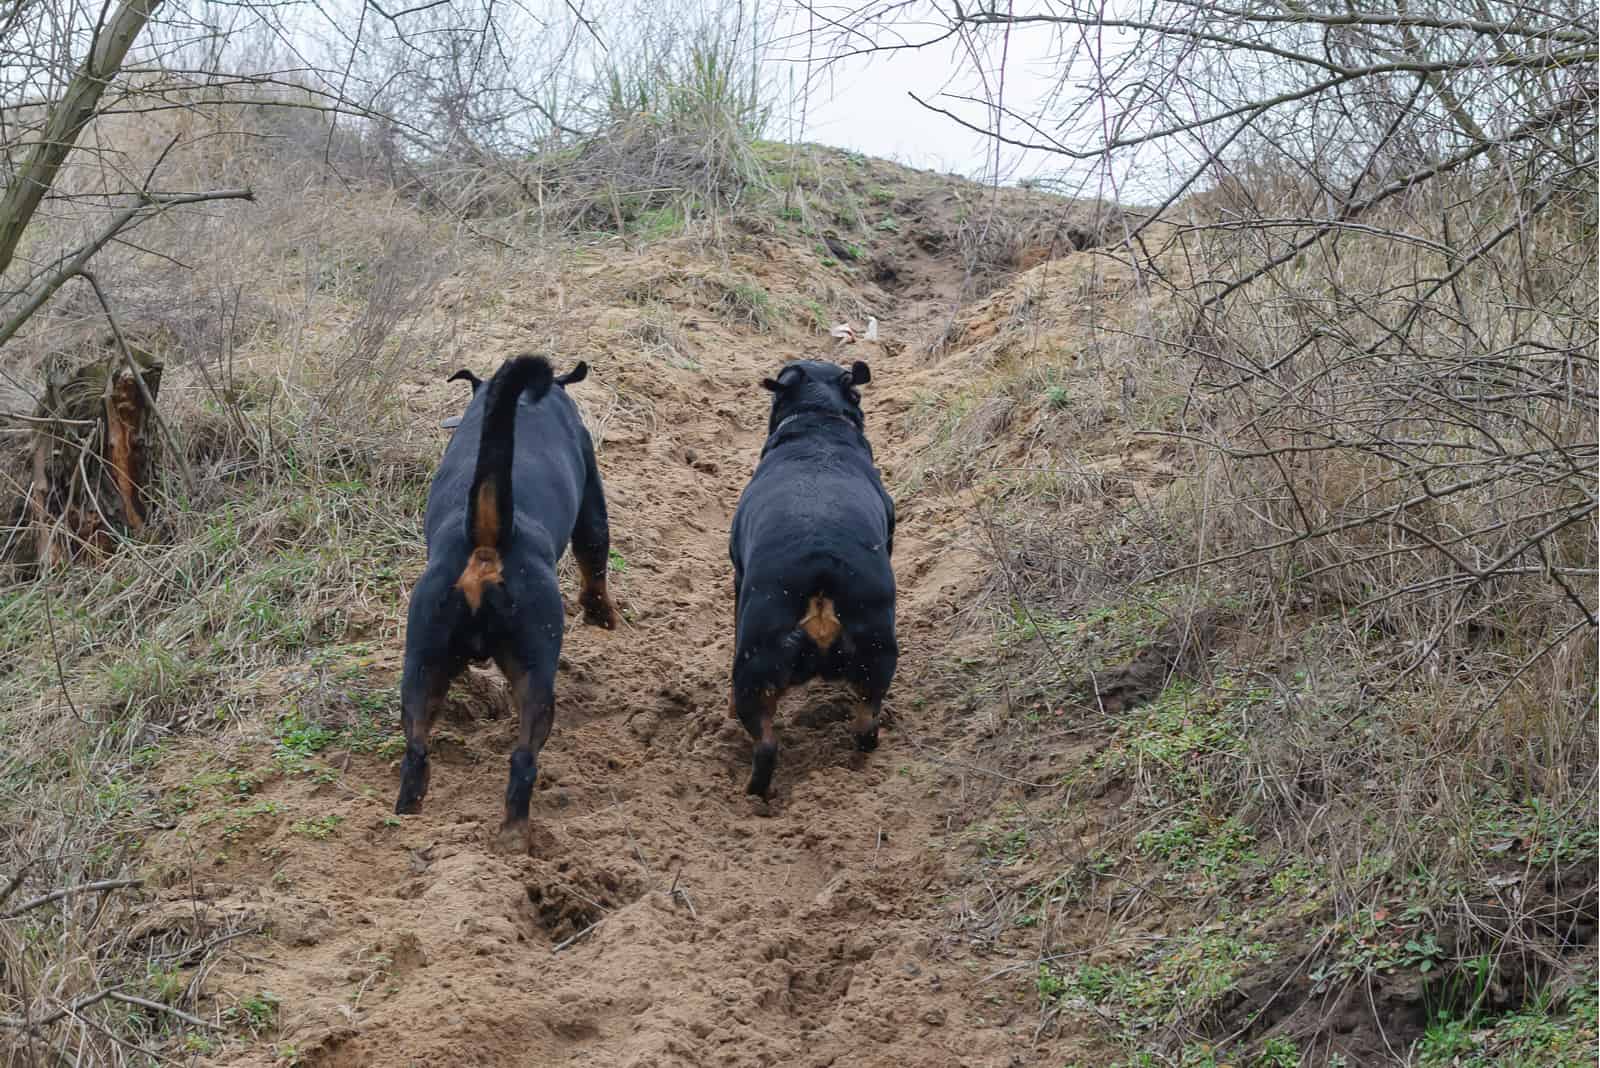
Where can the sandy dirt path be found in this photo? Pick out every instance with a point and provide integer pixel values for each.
(663, 918)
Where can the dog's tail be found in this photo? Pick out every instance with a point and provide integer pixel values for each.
(489, 510)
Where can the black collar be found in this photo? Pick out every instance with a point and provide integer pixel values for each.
(819, 413)
(786, 420)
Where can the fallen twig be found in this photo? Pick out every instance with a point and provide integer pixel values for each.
(678, 891)
(68, 891)
(559, 946)
(144, 1003)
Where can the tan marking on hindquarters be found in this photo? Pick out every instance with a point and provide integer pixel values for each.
(820, 622)
(481, 571)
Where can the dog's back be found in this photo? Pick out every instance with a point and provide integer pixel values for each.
(811, 539)
(547, 472)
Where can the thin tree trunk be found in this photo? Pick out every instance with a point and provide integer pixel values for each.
(68, 117)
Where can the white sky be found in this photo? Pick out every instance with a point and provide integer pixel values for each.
(863, 103)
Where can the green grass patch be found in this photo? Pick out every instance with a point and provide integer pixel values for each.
(257, 1013)
(1548, 1032)
(658, 224)
(748, 302)
(1181, 978)
(237, 819)
(1194, 842)
(317, 827)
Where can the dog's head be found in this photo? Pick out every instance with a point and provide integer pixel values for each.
(817, 386)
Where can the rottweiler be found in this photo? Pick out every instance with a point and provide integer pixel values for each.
(811, 542)
(517, 482)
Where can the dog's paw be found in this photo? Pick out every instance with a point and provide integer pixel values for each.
(600, 613)
(867, 742)
(514, 838)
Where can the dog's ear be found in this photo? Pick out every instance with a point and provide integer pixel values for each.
(577, 374)
(465, 375)
(787, 379)
(859, 374)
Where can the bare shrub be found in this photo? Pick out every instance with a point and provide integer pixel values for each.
(1384, 279)
(1371, 246)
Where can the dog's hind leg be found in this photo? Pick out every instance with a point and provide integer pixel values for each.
(529, 664)
(875, 657)
(534, 690)
(422, 690)
(591, 548)
(760, 676)
(424, 680)
(864, 726)
(756, 709)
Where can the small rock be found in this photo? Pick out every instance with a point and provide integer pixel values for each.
(934, 1017)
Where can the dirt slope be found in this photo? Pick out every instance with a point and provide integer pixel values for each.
(663, 918)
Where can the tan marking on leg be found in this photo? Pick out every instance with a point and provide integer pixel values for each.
(865, 719)
(769, 712)
(820, 622)
(768, 699)
(518, 681)
(483, 569)
(595, 600)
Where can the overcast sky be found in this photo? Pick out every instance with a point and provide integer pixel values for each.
(864, 103)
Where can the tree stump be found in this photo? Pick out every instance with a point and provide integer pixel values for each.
(92, 459)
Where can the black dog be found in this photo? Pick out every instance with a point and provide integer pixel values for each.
(811, 541)
(517, 481)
